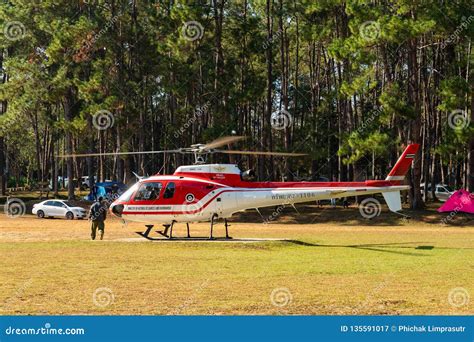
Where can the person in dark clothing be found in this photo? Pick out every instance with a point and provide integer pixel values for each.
(98, 215)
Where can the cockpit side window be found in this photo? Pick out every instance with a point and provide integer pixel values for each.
(148, 191)
(169, 191)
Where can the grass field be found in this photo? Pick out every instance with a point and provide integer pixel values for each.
(332, 261)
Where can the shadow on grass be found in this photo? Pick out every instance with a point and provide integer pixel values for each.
(381, 247)
(376, 247)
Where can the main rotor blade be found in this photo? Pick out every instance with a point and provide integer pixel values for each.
(222, 142)
(262, 153)
(114, 154)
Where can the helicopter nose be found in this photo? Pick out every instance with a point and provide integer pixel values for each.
(117, 209)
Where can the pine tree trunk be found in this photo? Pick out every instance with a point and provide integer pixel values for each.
(68, 115)
(267, 136)
(414, 100)
(3, 109)
(91, 149)
(470, 169)
(3, 181)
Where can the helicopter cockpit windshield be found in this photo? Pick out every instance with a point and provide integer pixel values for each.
(125, 197)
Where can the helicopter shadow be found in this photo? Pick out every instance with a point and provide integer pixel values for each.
(376, 247)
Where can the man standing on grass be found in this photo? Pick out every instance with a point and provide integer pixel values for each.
(98, 214)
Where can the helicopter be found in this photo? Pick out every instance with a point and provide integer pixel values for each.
(207, 192)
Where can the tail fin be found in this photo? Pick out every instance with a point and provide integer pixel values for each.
(397, 174)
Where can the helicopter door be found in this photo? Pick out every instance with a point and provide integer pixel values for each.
(225, 204)
(187, 198)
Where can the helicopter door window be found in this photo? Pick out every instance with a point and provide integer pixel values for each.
(169, 191)
(148, 192)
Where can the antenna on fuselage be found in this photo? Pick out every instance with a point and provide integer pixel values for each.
(138, 177)
(162, 168)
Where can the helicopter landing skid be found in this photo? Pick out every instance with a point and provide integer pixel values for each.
(169, 236)
(145, 234)
(149, 227)
(168, 227)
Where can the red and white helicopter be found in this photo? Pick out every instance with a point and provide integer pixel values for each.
(206, 192)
